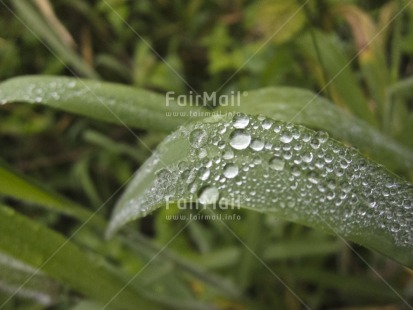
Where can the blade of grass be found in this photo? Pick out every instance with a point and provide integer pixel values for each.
(302, 176)
(182, 263)
(39, 246)
(40, 288)
(306, 108)
(343, 83)
(109, 102)
(16, 185)
(32, 19)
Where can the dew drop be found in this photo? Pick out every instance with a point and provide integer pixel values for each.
(313, 177)
(307, 157)
(276, 163)
(71, 84)
(208, 195)
(202, 153)
(204, 173)
(230, 171)
(267, 123)
(322, 136)
(182, 166)
(228, 154)
(257, 145)
(241, 120)
(286, 137)
(240, 140)
(198, 138)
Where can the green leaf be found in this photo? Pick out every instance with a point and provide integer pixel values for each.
(110, 102)
(342, 81)
(306, 108)
(63, 260)
(42, 31)
(274, 167)
(40, 288)
(16, 185)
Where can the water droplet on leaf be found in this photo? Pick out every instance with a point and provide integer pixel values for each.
(240, 139)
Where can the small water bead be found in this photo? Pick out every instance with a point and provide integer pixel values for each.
(295, 170)
(307, 157)
(268, 146)
(276, 163)
(202, 153)
(189, 175)
(328, 158)
(240, 139)
(286, 147)
(193, 188)
(257, 160)
(221, 145)
(198, 138)
(163, 174)
(257, 145)
(306, 137)
(163, 177)
(204, 173)
(230, 171)
(277, 126)
(208, 195)
(55, 95)
(315, 143)
(215, 140)
(71, 84)
(222, 129)
(228, 154)
(182, 166)
(313, 177)
(287, 155)
(286, 137)
(240, 120)
(319, 163)
(322, 136)
(267, 123)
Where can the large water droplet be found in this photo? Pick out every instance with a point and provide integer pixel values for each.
(276, 163)
(240, 140)
(230, 171)
(208, 195)
(241, 120)
(198, 138)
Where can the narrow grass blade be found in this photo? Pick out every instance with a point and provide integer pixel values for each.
(342, 81)
(280, 168)
(39, 246)
(40, 288)
(110, 102)
(35, 22)
(16, 185)
(306, 108)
